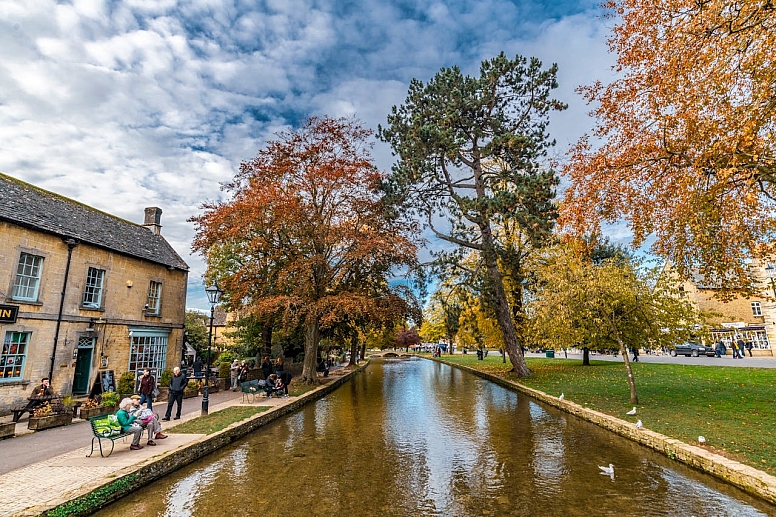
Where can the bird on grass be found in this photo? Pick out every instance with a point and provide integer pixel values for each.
(632, 411)
(609, 471)
(562, 396)
(701, 440)
(639, 425)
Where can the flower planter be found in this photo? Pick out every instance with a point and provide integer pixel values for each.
(87, 413)
(188, 393)
(45, 422)
(7, 429)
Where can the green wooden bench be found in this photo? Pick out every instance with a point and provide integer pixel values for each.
(99, 434)
(251, 389)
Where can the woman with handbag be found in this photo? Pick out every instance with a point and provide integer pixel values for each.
(147, 388)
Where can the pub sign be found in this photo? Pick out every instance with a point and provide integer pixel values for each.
(8, 313)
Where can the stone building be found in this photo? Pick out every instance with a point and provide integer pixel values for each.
(82, 292)
(752, 319)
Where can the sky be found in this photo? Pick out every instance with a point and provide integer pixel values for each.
(128, 104)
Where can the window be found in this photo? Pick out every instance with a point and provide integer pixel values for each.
(93, 289)
(147, 350)
(14, 354)
(27, 277)
(154, 294)
(756, 309)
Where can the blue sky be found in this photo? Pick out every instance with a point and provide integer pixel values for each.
(123, 105)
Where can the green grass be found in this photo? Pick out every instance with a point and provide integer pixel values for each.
(219, 420)
(733, 408)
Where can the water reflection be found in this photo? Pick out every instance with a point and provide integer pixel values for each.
(414, 437)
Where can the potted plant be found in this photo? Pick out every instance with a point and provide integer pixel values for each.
(93, 407)
(164, 385)
(127, 384)
(71, 404)
(50, 414)
(110, 402)
(191, 390)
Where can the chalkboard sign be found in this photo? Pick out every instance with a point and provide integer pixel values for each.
(105, 381)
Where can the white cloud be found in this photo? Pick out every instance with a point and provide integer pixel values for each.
(123, 105)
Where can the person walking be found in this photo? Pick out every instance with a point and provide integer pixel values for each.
(177, 385)
(146, 389)
(635, 351)
(749, 348)
(197, 369)
(234, 373)
(244, 369)
(739, 349)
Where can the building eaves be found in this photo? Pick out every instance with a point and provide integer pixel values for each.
(32, 207)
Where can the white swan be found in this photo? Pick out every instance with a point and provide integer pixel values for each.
(632, 411)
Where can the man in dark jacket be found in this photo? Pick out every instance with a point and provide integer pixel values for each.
(177, 385)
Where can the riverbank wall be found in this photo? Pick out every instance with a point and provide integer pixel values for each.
(749, 479)
(93, 496)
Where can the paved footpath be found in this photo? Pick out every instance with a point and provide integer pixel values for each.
(44, 466)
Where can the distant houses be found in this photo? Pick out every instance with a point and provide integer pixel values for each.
(82, 292)
(752, 319)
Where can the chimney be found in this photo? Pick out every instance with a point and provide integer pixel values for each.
(153, 219)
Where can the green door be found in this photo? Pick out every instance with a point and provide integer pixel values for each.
(83, 364)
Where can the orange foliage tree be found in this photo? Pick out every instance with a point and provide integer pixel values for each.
(684, 144)
(307, 233)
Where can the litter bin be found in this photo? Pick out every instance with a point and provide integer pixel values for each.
(549, 353)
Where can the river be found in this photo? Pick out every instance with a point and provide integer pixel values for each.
(412, 437)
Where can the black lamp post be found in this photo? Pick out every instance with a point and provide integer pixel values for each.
(213, 295)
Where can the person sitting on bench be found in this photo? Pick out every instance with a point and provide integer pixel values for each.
(41, 394)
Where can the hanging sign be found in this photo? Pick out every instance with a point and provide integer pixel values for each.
(8, 313)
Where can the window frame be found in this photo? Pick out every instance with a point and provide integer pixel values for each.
(757, 309)
(90, 289)
(154, 298)
(17, 285)
(6, 353)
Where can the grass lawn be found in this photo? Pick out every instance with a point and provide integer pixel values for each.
(733, 408)
(214, 422)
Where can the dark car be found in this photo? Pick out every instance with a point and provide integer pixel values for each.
(693, 350)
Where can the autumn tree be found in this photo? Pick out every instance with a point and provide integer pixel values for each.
(684, 146)
(306, 232)
(469, 152)
(612, 304)
(196, 326)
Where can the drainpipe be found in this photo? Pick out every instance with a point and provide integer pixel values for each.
(71, 243)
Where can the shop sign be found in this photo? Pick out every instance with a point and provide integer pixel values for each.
(8, 313)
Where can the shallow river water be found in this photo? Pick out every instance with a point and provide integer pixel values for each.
(415, 437)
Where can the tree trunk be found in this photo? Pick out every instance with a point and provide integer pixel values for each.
(634, 399)
(266, 338)
(585, 356)
(312, 336)
(503, 312)
(353, 349)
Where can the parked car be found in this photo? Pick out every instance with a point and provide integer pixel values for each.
(693, 350)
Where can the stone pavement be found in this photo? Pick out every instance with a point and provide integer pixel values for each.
(45, 466)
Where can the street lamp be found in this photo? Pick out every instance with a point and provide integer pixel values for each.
(213, 295)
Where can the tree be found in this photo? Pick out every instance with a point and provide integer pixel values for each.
(196, 327)
(307, 232)
(606, 305)
(686, 132)
(468, 151)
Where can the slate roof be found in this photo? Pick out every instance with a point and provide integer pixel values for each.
(32, 207)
